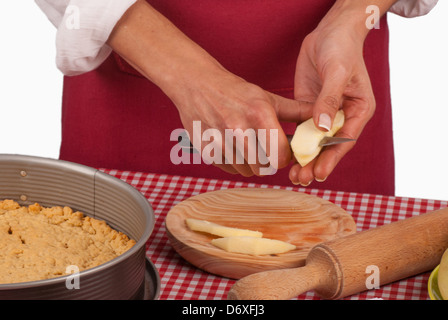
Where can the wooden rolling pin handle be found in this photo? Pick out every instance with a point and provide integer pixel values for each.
(282, 284)
(337, 268)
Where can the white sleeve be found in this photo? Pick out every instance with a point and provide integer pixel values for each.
(413, 8)
(83, 27)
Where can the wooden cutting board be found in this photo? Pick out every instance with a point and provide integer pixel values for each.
(298, 218)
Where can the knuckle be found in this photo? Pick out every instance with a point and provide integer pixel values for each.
(341, 69)
(368, 109)
(332, 102)
(259, 111)
(253, 91)
(372, 108)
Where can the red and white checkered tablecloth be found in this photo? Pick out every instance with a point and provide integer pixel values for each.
(182, 281)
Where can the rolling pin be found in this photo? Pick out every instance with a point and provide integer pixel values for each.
(339, 268)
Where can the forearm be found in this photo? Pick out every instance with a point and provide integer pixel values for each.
(157, 49)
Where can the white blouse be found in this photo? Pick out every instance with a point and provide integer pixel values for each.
(82, 49)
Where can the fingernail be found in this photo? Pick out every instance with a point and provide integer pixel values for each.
(325, 121)
(305, 184)
(320, 180)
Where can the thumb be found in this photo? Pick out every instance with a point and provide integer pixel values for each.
(334, 82)
(290, 110)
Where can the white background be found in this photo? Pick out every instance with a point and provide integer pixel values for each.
(30, 93)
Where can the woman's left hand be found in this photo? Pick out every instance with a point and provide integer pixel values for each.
(332, 75)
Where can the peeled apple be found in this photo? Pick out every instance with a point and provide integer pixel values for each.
(239, 240)
(253, 246)
(306, 139)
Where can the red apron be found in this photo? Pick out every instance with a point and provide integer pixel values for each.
(112, 117)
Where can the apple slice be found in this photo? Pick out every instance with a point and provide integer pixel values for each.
(252, 245)
(219, 230)
(306, 139)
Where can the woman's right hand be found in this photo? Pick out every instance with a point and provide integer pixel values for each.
(226, 103)
(204, 91)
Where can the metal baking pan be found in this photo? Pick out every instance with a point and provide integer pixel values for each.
(152, 282)
(50, 182)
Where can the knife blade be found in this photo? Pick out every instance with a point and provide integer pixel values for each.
(326, 141)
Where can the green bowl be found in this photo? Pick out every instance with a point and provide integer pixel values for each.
(433, 286)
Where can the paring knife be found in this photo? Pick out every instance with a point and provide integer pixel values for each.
(326, 141)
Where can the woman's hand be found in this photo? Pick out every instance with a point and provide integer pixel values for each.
(226, 104)
(331, 74)
(204, 91)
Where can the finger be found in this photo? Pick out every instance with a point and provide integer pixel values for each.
(329, 159)
(233, 153)
(271, 153)
(334, 82)
(301, 175)
(222, 153)
(241, 147)
(227, 168)
(356, 117)
(274, 141)
(263, 142)
(291, 110)
(243, 169)
(287, 110)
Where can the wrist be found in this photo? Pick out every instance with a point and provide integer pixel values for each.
(188, 76)
(354, 17)
(158, 50)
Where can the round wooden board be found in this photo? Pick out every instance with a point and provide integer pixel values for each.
(298, 218)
